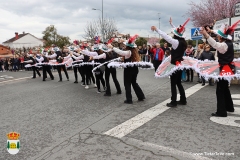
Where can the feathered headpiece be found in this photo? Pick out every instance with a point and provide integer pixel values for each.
(225, 31)
(131, 41)
(181, 29)
(110, 41)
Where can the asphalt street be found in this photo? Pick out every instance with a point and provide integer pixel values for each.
(64, 121)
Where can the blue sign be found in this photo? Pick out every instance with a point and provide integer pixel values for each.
(195, 34)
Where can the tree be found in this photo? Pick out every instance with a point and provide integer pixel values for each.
(50, 36)
(107, 26)
(207, 11)
(140, 41)
(162, 41)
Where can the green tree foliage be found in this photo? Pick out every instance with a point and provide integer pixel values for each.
(140, 41)
(162, 41)
(193, 42)
(50, 36)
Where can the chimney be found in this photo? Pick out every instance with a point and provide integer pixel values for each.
(23, 32)
(16, 35)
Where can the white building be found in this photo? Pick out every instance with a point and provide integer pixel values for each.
(23, 40)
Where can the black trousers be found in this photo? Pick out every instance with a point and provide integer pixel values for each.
(156, 64)
(113, 72)
(35, 69)
(75, 69)
(188, 74)
(47, 69)
(130, 78)
(210, 81)
(176, 81)
(99, 77)
(91, 75)
(224, 98)
(59, 71)
(87, 72)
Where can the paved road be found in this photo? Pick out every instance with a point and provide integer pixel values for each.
(62, 120)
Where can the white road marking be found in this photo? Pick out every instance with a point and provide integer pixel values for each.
(173, 151)
(237, 96)
(237, 102)
(142, 118)
(231, 118)
(15, 80)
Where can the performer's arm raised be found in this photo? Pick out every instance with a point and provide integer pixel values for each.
(86, 52)
(101, 56)
(40, 59)
(221, 47)
(52, 56)
(78, 58)
(168, 38)
(126, 54)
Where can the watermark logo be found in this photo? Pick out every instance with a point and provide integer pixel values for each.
(13, 143)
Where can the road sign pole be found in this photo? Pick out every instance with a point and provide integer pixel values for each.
(197, 44)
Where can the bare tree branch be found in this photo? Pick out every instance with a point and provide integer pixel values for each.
(107, 27)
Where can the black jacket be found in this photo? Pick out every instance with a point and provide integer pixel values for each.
(206, 55)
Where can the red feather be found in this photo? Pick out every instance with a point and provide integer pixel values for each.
(110, 41)
(231, 29)
(98, 41)
(82, 45)
(132, 39)
(183, 26)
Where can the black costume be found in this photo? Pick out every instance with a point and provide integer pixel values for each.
(224, 99)
(113, 72)
(59, 59)
(46, 69)
(99, 76)
(34, 68)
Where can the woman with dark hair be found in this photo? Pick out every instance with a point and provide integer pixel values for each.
(179, 46)
(130, 72)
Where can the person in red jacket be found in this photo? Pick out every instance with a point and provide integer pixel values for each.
(158, 55)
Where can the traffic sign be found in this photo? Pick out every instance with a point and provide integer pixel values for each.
(195, 34)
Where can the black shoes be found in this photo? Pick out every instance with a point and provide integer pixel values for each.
(231, 110)
(182, 103)
(217, 115)
(128, 102)
(141, 99)
(60, 80)
(211, 84)
(119, 92)
(171, 105)
(203, 84)
(107, 94)
(75, 82)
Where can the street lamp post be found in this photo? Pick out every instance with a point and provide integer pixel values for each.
(159, 22)
(102, 20)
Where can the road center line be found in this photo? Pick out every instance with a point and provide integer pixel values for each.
(142, 118)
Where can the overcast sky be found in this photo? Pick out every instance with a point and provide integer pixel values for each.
(71, 17)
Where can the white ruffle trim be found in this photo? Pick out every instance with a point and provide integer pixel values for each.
(116, 59)
(30, 66)
(89, 63)
(142, 65)
(166, 68)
